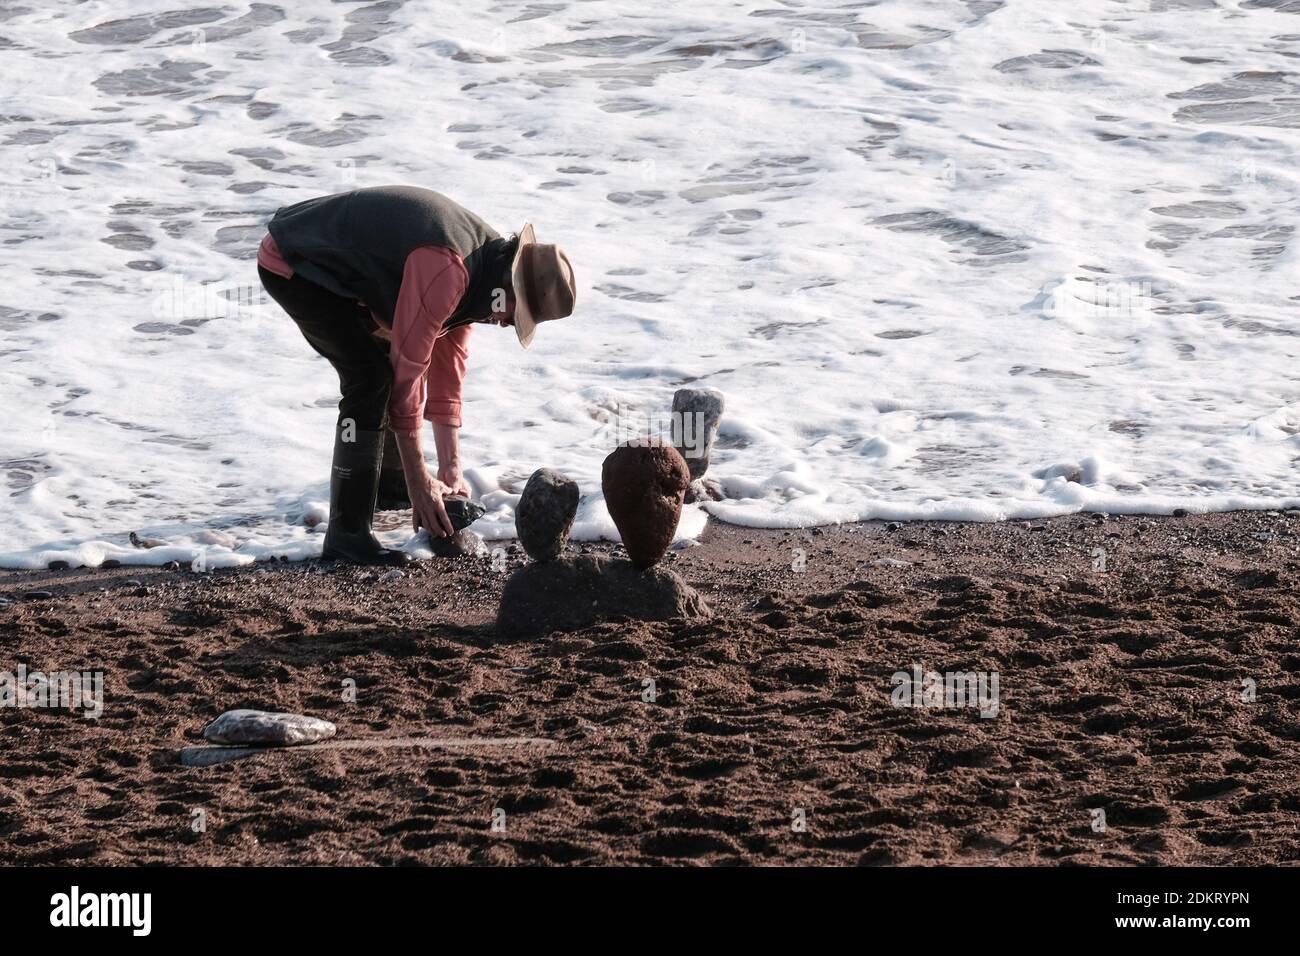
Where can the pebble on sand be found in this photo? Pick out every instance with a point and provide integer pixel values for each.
(644, 485)
(704, 489)
(214, 537)
(459, 545)
(268, 729)
(545, 513)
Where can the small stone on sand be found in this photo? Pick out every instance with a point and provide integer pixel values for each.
(268, 729)
(644, 485)
(545, 513)
(215, 537)
(459, 545)
(703, 489)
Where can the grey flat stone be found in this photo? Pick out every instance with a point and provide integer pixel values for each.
(267, 729)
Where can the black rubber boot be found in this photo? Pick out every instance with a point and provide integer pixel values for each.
(393, 495)
(354, 482)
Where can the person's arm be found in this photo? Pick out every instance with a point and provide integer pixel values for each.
(446, 439)
(427, 509)
(443, 405)
(433, 281)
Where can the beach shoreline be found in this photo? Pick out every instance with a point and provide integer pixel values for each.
(1124, 650)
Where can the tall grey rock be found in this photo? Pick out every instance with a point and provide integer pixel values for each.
(696, 413)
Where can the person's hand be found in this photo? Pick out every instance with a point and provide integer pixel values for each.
(453, 479)
(427, 509)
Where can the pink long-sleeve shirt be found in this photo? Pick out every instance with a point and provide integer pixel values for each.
(428, 361)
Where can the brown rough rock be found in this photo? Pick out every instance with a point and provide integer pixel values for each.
(644, 486)
(576, 591)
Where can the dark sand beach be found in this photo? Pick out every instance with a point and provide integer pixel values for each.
(1119, 691)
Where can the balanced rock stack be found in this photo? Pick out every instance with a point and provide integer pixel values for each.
(696, 414)
(643, 487)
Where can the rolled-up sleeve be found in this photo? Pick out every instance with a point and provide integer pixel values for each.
(433, 281)
(446, 376)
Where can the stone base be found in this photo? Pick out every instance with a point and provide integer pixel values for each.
(578, 590)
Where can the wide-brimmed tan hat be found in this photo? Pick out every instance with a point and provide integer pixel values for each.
(543, 284)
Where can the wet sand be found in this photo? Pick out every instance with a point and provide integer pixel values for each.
(1119, 690)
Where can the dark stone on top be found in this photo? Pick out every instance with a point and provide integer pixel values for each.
(545, 513)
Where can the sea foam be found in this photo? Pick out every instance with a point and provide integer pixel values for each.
(959, 260)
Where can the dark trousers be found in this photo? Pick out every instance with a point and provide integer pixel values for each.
(338, 329)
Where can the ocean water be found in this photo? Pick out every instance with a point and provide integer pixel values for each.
(960, 259)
